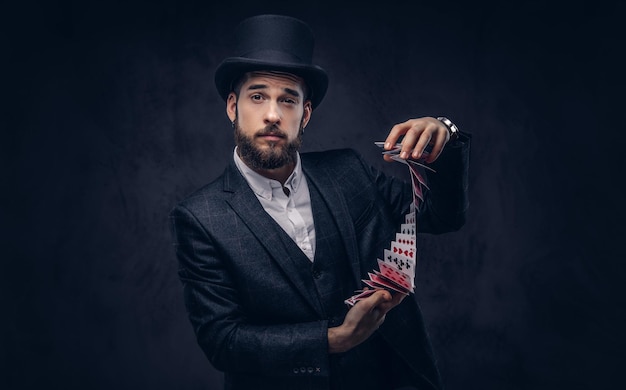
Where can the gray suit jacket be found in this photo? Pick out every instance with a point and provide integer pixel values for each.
(256, 314)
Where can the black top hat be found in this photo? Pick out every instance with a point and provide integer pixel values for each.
(273, 42)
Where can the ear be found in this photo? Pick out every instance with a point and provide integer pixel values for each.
(306, 116)
(231, 106)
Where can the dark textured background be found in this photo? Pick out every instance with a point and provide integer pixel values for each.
(111, 116)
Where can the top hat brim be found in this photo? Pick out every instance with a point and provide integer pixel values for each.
(232, 68)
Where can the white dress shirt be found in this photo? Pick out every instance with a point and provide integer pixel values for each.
(292, 212)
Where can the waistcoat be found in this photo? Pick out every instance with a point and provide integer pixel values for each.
(364, 365)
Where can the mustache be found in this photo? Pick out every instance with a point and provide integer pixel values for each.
(271, 130)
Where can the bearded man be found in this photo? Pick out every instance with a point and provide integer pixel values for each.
(269, 251)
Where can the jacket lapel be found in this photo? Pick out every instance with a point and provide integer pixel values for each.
(244, 202)
(329, 190)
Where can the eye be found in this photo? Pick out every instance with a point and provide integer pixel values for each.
(289, 101)
(256, 97)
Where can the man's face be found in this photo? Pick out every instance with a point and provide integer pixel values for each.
(269, 115)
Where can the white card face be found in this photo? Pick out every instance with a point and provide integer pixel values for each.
(410, 218)
(408, 228)
(400, 262)
(406, 239)
(402, 249)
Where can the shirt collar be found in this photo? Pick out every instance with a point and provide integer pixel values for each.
(261, 185)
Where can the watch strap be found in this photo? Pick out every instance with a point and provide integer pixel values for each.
(452, 129)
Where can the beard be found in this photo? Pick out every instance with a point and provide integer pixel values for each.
(272, 157)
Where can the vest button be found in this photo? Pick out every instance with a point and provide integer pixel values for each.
(317, 274)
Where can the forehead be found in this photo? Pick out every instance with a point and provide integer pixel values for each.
(271, 78)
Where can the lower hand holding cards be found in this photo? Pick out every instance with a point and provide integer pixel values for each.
(363, 319)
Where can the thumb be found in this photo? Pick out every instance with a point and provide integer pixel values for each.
(378, 298)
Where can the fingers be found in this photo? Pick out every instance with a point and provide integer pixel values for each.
(371, 303)
(419, 138)
(361, 321)
(373, 306)
(417, 135)
(379, 303)
(381, 296)
(396, 132)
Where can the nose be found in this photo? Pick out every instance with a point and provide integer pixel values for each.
(273, 114)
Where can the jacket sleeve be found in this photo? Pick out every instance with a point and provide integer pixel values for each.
(446, 202)
(228, 339)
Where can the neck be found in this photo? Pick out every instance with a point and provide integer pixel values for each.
(279, 174)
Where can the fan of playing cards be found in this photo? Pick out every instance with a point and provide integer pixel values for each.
(396, 271)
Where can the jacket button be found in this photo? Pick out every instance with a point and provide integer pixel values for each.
(295, 370)
(302, 370)
(310, 370)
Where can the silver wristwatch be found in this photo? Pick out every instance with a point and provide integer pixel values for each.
(452, 129)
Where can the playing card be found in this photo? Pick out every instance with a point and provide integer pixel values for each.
(405, 239)
(418, 176)
(391, 151)
(405, 250)
(398, 146)
(377, 285)
(350, 301)
(400, 262)
(381, 145)
(417, 190)
(401, 278)
(362, 294)
(416, 163)
(385, 283)
(408, 228)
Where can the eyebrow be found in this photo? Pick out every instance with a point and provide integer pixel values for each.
(290, 91)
